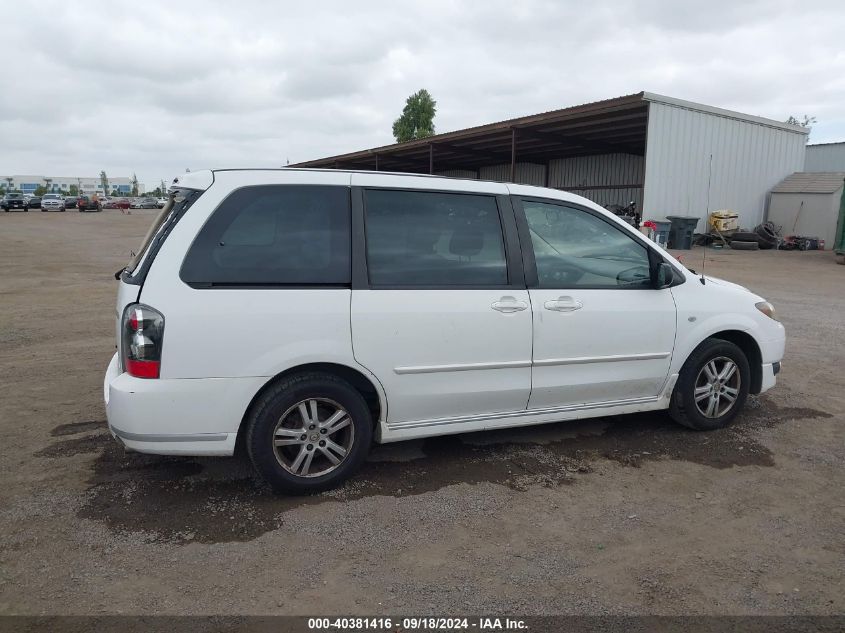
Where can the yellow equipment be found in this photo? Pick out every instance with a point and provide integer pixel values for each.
(724, 220)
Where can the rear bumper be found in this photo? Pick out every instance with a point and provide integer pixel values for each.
(176, 417)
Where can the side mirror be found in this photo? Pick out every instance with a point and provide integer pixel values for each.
(664, 276)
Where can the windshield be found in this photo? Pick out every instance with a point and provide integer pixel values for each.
(52, 196)
(14, 195)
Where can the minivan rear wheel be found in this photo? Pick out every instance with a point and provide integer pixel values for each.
(309, 432)
(712, 386)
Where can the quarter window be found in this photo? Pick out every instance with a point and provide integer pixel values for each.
(417, 238)
(274, 235)
(576, 249)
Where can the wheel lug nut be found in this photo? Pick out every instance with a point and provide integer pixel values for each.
(303, 437)
(323, 431)
(310, 447)
(312, 427)
(322, 443)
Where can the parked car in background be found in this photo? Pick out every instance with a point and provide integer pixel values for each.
(13, 202)
(70, 202)
(161, 202)
(34, 202)
(117, 203)
(309, 313)
(88, 203)
(52, 202)
(146, 203)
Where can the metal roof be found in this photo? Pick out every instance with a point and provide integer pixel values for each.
(826, 144)
(617, 125)
(809, 182)
(601, 127)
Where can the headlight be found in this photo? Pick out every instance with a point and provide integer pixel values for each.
(767, 308)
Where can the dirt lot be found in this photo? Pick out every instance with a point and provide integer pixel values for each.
(624, 515)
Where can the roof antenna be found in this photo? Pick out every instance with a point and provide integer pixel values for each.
(706, 216)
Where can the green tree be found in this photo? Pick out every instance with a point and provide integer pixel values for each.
(805, 121)
(417, 120)
(74, 190)
(104, 181)
(134, 185)
(40, 190)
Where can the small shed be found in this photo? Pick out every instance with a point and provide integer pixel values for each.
(808, 204)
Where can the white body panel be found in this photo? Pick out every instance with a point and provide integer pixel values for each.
(617, 346)
(441, 361)
(444, 353)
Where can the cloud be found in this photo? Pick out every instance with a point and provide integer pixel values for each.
(156, 87)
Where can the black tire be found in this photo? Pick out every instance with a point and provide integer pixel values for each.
(745, 246)
(683, 408)
(745, 236)
(281, 397)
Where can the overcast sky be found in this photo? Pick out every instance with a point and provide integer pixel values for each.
(154, 87)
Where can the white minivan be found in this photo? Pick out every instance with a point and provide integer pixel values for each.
(304, 314)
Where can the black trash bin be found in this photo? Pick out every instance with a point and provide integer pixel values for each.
(681, 231)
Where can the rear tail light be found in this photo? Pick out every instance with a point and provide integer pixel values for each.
(142, 332)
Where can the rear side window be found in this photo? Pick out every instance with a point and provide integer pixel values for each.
(418, 238)
(274, 235)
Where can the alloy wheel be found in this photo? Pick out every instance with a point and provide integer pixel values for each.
(313, 437)
(717, 387)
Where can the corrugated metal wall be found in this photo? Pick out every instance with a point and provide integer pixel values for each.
(828, 157)
(573, 174)
(748, 160)
(457, 173)
(526, 173)
(600, 171)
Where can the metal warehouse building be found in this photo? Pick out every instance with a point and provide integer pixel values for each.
(825, 157)
(672, 157)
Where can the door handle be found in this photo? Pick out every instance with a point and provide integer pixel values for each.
(563, 304)
(508, 305)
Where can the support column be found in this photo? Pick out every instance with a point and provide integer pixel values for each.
(431, 158)
(376, 162)
(513, 154)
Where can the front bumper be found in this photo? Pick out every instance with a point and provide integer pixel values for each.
(176, 416)
(770, 370)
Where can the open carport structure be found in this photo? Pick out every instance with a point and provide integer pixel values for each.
(668, 155)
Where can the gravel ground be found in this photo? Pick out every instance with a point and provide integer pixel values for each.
(627, 515)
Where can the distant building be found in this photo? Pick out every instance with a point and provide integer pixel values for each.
(28, 183)
(825, 157)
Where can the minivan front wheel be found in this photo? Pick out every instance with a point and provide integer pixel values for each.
(308, 433)
(712, 386)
